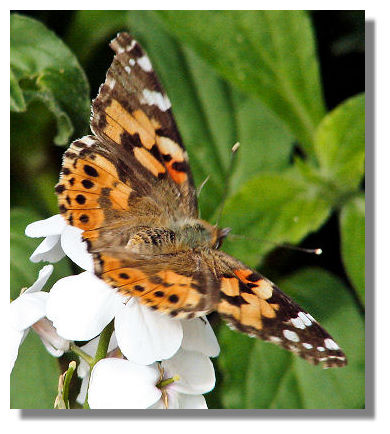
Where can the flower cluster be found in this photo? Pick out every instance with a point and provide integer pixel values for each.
(151, 361)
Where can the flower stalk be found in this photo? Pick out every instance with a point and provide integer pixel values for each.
(77, 350)
(104, 340)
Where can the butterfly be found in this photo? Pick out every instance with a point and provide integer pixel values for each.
(130, 189)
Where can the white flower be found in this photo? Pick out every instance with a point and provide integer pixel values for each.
(83, 369)
(81, 306)
(60, 239)
(177, 383)
(29, 310)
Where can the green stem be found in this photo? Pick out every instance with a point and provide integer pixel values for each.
(77, 350)
(104, 340)
(68, 378)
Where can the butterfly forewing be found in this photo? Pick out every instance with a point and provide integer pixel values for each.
(253, 305)
(133, 111)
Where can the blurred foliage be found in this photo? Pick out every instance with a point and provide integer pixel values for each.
(299, 171)
(34, 378)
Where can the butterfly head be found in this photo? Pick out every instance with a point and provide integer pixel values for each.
(199, 233)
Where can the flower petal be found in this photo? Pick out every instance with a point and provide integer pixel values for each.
(81, 306)
(53, 351)
(43, 277)
(42, 228)
(83, 369)
(198, 335)
(49, 250)
(75, 248)
(55, 344)
(16, 337)
(195, 371)
(28, 309)
(177, 400)
(191, 401)
(118, 383)
(83, 390)
(145, 336)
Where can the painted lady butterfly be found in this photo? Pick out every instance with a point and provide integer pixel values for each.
(129, 188)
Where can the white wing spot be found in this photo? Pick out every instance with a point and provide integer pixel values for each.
(310, 317)
(307, 346)
(305, 319)
(88, 141)
(144, 63)
(132, 45)
(291, 336)
(298, 323)
(120, 50)
(110, 82)
(131, 62)
(331, 344)
(128, 69)
(151, 97)
(320, 349)
(274, 339)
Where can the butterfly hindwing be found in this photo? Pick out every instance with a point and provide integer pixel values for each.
(180, 285)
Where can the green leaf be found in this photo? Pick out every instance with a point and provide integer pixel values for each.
(17, 102)
(331, 303)
(233, 363)
(34, 377)
(266, 144)
(268, 54)
(274, 207)
(88, 29)
(270, 377)
(46, 70)
(339, 144)
(23, 272)
(352, 227)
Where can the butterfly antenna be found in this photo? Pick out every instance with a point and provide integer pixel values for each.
(227, 182)
(317, 251)
(200, 188)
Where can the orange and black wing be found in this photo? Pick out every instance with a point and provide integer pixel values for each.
(135, 170)
(132, 115)
(180, 285)
(253, 305)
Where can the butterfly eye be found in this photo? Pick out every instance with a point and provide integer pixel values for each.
(223, 233)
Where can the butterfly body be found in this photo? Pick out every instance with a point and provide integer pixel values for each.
(129, 188)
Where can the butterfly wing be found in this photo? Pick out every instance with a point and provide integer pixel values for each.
(253, 305)
(134, 171)
(181, 285)
(133, 114)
